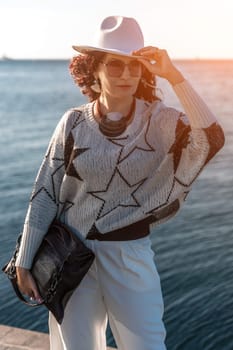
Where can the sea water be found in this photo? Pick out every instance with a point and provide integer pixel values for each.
(193, 251)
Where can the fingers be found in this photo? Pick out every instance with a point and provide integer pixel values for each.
(32, 293)
(150, 66)
(35, 295)
(27, 285)
(157, 61)
(150, 52)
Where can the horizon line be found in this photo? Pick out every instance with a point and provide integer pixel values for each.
(7, 58)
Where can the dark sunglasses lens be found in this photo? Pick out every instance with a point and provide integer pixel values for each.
(135, 68)
(115, 68)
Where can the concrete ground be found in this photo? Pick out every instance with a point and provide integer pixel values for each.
(20, 339)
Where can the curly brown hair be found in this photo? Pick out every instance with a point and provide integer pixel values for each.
(83, 67)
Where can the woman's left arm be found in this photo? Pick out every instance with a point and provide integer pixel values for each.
(199, 131)
(159, 64)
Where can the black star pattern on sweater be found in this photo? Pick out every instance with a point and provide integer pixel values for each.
(112, 198)
(65, 207)
(79, 118)
(70, 155)
(165, 203)
(181, 141)
(164, 211)
(51, 195)
(128, 148)
(214, 142)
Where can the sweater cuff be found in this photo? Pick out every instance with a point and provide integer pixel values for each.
(195, 108)
(30, 243)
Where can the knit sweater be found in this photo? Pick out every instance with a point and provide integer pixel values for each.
(97, 183)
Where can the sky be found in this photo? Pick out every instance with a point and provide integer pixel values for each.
(48, 28)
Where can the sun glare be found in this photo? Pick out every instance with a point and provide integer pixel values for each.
(200, 29)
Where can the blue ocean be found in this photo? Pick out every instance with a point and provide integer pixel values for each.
(193, 252)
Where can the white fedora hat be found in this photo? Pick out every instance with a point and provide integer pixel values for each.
(117, 35)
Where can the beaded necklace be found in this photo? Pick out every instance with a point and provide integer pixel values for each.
(114, 124)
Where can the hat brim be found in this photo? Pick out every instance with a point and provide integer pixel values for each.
(88, 49)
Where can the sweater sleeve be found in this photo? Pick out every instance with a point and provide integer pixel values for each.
(45, 197)
(198, 135)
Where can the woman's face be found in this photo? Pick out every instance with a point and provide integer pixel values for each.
(119, 76)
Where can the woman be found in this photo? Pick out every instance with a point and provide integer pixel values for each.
(115, 168)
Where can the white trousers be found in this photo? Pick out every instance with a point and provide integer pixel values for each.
(122, 286)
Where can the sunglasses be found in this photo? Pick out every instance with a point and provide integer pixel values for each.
(115, 68)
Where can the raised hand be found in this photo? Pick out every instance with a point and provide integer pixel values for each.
(158, 62)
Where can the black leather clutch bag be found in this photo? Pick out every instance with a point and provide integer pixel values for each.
(58, 268)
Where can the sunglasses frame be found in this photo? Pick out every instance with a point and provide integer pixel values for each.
(123, 65)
